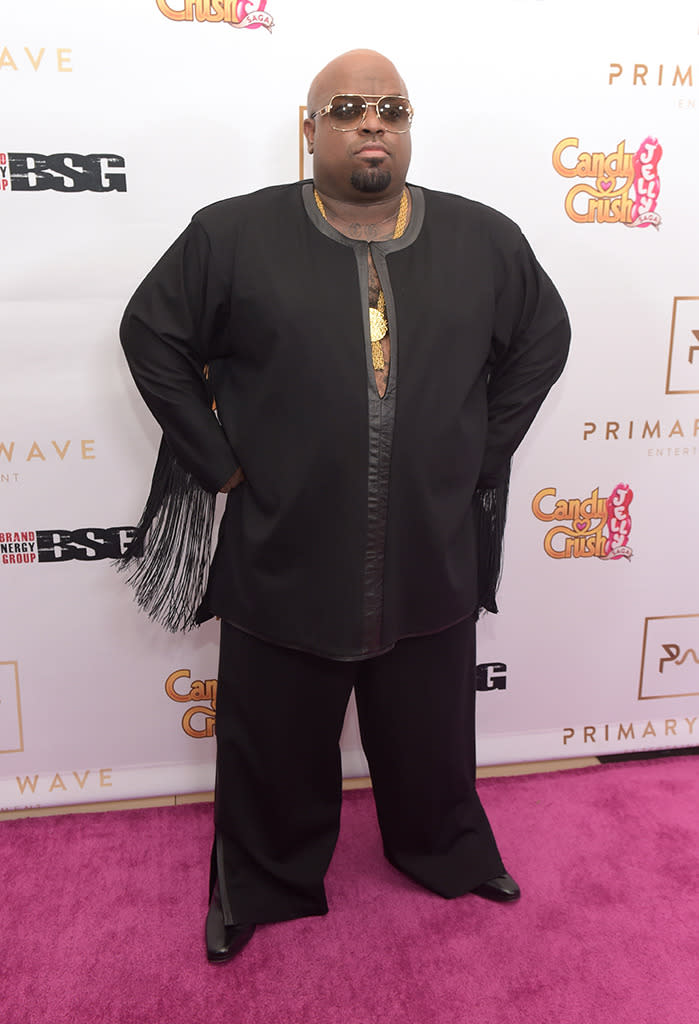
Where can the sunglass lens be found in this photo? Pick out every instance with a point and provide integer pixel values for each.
(395, 112)
(347, 111)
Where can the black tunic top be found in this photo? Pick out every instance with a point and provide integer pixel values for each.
(354, 526)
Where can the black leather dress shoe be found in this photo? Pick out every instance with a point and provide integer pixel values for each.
(224, 941)
(502, 889)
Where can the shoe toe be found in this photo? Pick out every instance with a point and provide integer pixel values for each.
(502, 889)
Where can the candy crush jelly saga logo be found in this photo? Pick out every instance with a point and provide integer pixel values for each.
(237, 13)
(620, 187)
(593, 527)
(199, 721)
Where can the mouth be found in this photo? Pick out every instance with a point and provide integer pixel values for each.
(373, 151)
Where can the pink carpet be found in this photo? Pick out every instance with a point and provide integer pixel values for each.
(102, 918)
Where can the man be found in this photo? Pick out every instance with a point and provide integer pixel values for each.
(376, 353)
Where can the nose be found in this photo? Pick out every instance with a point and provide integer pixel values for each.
(372, 122)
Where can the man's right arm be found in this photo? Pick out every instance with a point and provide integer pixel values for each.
(171, 328)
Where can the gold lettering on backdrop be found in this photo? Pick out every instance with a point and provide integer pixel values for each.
(6, 60)
(618, 164)
(199, 690)
(57, 783)
(63, 59)
(621, 731)
(208, 725)
(547, 492)
(58, 449)
(36, 60)
(559, 149)
(67, 784)
(617, 430)
(683, 79)
(27, 782)
(639, 73)
(35, 452)
(165, 9)
(584, 537)
(673, 452)
(202, 10)
(61, 452)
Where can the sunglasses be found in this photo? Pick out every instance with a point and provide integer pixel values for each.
(347, 112)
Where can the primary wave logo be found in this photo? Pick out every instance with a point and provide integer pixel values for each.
(618, 187)
(592, 527)
(236, 13)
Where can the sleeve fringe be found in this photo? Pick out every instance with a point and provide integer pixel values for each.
(170, 553)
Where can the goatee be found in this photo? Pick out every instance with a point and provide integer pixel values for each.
(370, 179)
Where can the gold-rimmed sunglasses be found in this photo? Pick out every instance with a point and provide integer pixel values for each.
(347, 111)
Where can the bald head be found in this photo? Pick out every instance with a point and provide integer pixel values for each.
(368, 162)
(362, 71)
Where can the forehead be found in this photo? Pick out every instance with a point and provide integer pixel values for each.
(368, 80)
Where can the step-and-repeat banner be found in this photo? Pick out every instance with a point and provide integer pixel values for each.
(117, 121)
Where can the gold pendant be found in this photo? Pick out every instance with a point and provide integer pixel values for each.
(378, 329)
(378, 326)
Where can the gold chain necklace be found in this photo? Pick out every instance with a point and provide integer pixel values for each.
(378, 324)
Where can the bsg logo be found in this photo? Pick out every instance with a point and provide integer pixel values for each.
(62, 172)
(491, 676)
(90, 544)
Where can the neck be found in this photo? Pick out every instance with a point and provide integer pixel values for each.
(368, 211)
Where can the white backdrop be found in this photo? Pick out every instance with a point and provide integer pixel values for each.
(588, 655)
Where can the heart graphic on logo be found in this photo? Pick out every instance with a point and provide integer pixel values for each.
(580, 526)
(604, 185)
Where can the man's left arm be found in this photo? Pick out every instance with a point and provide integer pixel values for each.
(530, 344)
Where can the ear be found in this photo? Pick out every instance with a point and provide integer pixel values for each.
(309, 130)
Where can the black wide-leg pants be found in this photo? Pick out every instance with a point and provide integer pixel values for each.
(279, 715)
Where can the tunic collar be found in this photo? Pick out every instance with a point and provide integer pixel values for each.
(388, 244)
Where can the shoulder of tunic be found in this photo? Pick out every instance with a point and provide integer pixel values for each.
(457, 213)
(264, 205)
